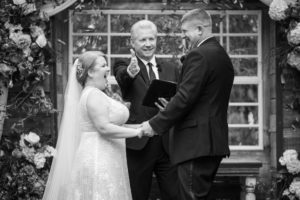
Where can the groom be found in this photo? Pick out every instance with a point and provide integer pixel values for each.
(198, 111)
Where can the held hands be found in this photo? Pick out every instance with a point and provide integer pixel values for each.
(133, 67)
(145, 130)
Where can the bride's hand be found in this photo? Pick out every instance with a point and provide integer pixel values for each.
(140, 132)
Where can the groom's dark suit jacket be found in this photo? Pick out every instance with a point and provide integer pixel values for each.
(198, 111)
(134, 90)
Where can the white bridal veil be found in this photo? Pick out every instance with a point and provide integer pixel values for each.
(67, 142)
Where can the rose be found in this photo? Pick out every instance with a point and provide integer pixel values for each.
(288, 156)
(286, 192)
(28, 153)
(293, 36)
(28, 169)
(23, 41)
(293, 166)
(293, 59)
(16, 153)
(39, 160)
(41, 41)
(277, 10)
(32, 138)
(49, 151)
(36, 31)
(295, 186)
(29, 8)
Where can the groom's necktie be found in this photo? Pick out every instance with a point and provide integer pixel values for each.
(151, 72)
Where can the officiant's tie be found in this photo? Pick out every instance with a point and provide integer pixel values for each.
(151, 72)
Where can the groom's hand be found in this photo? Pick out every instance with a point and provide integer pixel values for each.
(148, 131)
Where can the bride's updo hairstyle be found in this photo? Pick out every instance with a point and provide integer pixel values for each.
(86, 61)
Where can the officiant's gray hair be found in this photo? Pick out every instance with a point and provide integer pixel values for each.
(142, 24)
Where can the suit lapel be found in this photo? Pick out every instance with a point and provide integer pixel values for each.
(143, 72)
(161, 72)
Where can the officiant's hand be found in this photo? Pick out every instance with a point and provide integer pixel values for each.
(133, 67)
(162, 104)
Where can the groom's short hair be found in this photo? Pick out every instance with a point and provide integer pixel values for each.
(197, 16)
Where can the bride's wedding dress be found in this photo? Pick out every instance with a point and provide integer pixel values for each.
(99, 170)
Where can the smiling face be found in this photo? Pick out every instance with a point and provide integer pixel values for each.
(99, 73)
(190, 33)
(144, 42)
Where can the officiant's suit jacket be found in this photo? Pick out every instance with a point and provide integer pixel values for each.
(198, 111)
(134, 89)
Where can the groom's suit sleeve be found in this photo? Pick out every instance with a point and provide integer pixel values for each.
(195, 73)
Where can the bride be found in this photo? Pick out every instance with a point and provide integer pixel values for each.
(90, 163)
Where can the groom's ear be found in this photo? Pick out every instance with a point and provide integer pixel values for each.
(200, 29)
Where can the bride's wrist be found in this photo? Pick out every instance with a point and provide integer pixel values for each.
(139, 133)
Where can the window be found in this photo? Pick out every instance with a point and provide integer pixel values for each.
(238, 31)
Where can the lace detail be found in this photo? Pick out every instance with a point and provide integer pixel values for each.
(100, 167)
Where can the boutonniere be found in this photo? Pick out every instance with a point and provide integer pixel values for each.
(182, 58)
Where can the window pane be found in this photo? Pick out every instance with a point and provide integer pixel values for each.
(245, 66)
(87, 43)
(123, 23)
(166, 23)
(243, 136)
(120, 45)
(244, 93)
(87, 23)
(174, 61)
(242, 115)
(216, 23)
(243, 23)
(243, 45)
(113, 61)
(169, 45)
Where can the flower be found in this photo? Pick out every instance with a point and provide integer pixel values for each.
(49, 151)
(23, 41)
(17, 153)
(19, 2)
(277, 10)
(39, 160)
(293, 167)
(293, 59)
(41, 41)
(36, 31)
(29, 8)
(293, 35)
(28, 153)
(288, 156)
(290, 180)
(295, 187)
(286, 192)
(32, 138)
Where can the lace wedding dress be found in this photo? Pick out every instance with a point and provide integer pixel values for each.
(100, 169)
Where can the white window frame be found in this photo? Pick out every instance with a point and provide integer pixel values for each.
(238, 79)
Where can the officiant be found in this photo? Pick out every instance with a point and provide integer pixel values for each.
(146, 156)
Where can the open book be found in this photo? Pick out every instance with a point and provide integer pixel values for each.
(159, 88)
